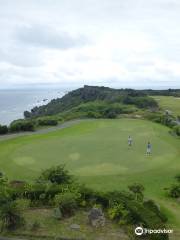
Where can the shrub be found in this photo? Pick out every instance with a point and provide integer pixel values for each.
(11, 216)
(177, 177)
(118, 213)
(177, 129)
(67, 203)
(58, 175)
(47, 122)
(140, 102)
(174, 191)
(3, 179)
(3, 129)
(22, 204)
(150, 204)
(92, 114)
(22, 125)
(90, 197)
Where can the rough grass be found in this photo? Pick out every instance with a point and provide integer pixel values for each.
(169, 103)
(49, 226)
(97, 153)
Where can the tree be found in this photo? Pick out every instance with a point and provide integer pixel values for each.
(27, 114)
(137, 189)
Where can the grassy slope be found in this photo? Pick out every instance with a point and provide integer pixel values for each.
(97, 152)
(169, 103)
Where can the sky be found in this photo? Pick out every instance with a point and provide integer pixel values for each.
(116, 43)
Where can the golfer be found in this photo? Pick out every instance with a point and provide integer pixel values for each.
(149, 148)
(130, 141)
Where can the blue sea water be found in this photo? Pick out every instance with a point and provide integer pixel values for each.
(14, 102)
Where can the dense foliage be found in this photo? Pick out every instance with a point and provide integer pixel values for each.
(174, 190)
(3, 129)
(57, 175)
(164, 118)
(54, 189)
(91, 94)
(96, 102)
(47, 122)
(21, 125)
(177, 130)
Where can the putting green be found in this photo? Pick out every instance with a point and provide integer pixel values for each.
(97, 152)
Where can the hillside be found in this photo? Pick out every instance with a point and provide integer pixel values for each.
(88, 94)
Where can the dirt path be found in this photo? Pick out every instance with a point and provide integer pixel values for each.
(44, 130)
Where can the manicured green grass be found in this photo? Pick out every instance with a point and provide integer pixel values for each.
(97, 153)
(169, 103)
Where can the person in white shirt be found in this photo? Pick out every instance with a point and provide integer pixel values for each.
(130, 141)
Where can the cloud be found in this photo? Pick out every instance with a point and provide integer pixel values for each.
(21, 56)
(46, 37)
(121, 43)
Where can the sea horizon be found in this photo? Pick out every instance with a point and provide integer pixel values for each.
(13, 102)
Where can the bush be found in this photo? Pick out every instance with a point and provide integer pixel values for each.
(3, 179)
(67, 203)
(168, 120)
(118, 213)
(174, 191)
(101, 109)
(56, 175)
(150, 204)
(92, 114)
(22, 125)
(110, 113)
(140, 102)
(145, 102)
(3, 129)
(47, 122)
(177, 130)
(177, 177)
(22, 204)
(11, 216)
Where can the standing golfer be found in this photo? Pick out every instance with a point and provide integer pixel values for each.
(130, 141)
(149, 148)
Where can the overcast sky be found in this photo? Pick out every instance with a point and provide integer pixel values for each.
(119, 43)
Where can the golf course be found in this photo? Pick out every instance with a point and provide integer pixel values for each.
(97, 153)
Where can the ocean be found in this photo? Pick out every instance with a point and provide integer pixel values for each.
(14, 102)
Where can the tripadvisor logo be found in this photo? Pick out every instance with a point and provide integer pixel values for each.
(140, 231)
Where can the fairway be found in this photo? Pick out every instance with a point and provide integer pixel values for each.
(96, 151)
